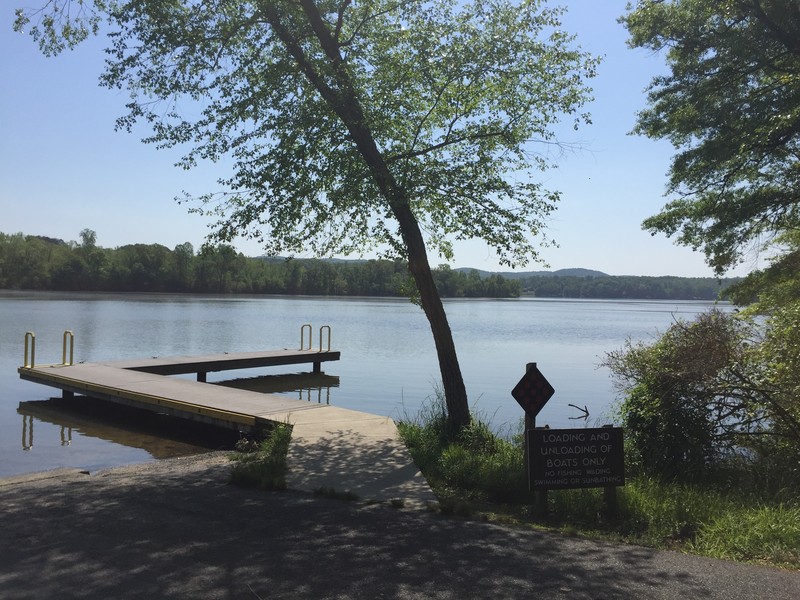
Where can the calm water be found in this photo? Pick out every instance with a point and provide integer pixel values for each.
(388, 363)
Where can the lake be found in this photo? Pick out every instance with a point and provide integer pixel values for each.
(388, 364)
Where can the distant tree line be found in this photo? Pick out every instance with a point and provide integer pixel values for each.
(42, 263)
(640, 288)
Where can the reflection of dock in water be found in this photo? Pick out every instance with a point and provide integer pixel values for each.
(83, 416)
(311, 387)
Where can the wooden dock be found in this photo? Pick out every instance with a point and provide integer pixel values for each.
(332, 448)
(143, 383)
(179, 365)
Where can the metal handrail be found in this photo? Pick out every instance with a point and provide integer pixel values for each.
(321, 329)
(71, 336)
(310, 336)
(30, 337)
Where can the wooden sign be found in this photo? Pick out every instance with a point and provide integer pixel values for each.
(575, 458)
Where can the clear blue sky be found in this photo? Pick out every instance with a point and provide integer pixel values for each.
(64, 168)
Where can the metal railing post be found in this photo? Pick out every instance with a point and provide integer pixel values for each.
(30, 338)
(302, 337)
(321, 329)
(71, 336)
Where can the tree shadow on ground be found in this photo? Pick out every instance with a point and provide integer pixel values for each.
(373, 467)
(176, 529)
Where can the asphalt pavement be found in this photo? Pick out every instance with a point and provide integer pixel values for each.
(177, 529)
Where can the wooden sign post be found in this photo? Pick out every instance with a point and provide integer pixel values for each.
(532, 392)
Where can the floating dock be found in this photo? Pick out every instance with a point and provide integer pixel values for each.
(144, 383)
(331, 448)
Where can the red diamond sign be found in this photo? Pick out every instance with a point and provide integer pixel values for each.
(532, 392)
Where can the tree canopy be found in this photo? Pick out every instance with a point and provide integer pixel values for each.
(724, 388)
(460, 98)
(352, 125)
(731, 106)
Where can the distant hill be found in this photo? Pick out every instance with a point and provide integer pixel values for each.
(466, 270)
(528, 274)
(586, 283)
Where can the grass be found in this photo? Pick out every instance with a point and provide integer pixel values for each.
(480, 474)
(263, 464)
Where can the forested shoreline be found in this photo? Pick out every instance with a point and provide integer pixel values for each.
(32, 262)
(626, 287)
(40, 263)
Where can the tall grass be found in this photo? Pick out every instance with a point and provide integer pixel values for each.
(266, 466)
(479, 471)
(477, 463)
(768, 534)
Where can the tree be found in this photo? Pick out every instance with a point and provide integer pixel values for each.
(142, 268)
(220, 268)
(184, 267)
(88, 239)
(353, 125)
(731, 106)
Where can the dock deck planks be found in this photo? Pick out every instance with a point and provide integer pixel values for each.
(178, 365)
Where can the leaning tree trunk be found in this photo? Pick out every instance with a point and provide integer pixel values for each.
(335, 85)
(455, 392)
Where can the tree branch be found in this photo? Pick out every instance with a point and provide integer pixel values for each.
(789, 41)
(444, 144)
(292, 45)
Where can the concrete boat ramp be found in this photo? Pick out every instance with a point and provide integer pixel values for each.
(332, 448)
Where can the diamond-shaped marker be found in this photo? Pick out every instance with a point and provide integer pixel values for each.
(532, 392)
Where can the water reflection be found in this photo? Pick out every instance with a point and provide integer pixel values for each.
(27, 432)
(27, 428)
(311, 387)
(91, 418)
(160, 435)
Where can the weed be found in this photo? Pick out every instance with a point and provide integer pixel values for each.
(266, 466)
(768, 534)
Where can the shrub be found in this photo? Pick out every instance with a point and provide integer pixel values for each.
(701, 396)
(266, 467)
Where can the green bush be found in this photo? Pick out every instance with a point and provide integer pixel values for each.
(266, 467)
(707, 393)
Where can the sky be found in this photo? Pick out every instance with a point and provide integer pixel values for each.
(64, 168)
